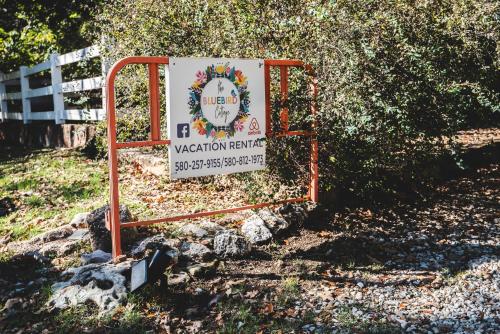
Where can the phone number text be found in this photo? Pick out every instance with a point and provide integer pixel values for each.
(223, 162)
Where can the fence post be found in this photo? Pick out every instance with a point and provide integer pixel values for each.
(104, 72)
(57, 94)
(25, 87)
(3, 100)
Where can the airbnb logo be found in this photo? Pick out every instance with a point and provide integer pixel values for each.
(254, 127)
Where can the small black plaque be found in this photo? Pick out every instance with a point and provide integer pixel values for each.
(139, 275)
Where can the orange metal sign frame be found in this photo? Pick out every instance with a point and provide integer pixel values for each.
(113, 215)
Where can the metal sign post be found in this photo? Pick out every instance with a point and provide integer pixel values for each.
(113, 216)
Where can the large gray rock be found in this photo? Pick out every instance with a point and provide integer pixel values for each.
(294, 214)
(55, 242)
(147, 245)
(103, 284)
(80, 234)
(229, 244)
(195, 251)
(273, 221)
(99, 235)
(193, 230)
(211, 227)
(80, 220)
(97, 256)
(203, 269)
(55, 234)
(255, 230)
(59, 248)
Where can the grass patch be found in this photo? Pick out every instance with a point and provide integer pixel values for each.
(291, 286)
(351, 265)
(290, 292)
(5, 256)
(24, 184)
(24, 231)
(126, 320)
(71, 319)
(49, 187)
(46, 292)
(242, 317)
(346, 318)
(34, 201)
(376, 268)
(348, 321)
(451, 277)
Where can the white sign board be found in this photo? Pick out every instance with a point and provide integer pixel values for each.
(216, 116)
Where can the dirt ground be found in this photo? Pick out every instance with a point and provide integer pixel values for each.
(431, 266)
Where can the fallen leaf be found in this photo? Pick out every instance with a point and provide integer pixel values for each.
(367, 214)
(238, 223)
(252, 294)
(267, 309)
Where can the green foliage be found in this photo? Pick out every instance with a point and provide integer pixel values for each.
(49, 187)
(30, 30)
(394, 76)
(347, 321)
(75, 319)
(290, 292)
(243, 318)
(34, 201)
(6, 256)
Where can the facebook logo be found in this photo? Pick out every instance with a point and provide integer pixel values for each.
(182, 130)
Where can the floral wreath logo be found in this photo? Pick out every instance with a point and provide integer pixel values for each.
(219, 101)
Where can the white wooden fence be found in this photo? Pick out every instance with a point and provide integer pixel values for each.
(57, 89)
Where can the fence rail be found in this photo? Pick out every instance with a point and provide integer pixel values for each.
(57, 89)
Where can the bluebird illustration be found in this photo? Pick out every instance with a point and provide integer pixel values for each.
(233, 93)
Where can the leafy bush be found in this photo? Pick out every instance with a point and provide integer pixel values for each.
(395, 76)
(31, 30)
